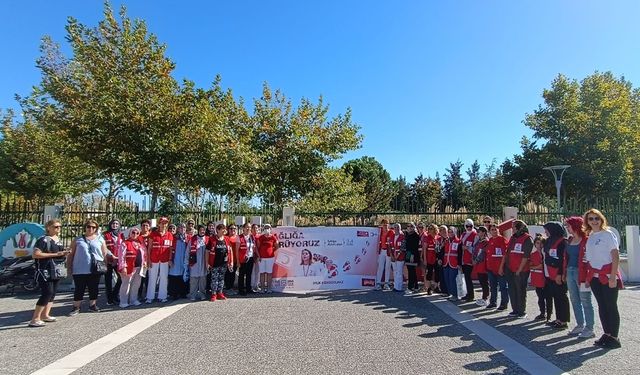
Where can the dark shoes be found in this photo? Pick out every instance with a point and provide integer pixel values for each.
(94, 308)
(502, 307)
(607, 342)
(540, 317)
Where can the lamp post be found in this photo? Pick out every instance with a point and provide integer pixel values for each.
(557, 169)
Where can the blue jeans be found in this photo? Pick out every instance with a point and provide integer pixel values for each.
(581, 301)
(494, 281)
(450, 280)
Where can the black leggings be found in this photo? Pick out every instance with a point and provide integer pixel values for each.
(607, 306)
(560, 299)
(47, 292)
(483, 278)
(467, 270)
(545, 301)
(412, 282)
(83, 282)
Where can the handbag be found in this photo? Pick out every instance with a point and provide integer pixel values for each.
(57, 269)
(98, 267)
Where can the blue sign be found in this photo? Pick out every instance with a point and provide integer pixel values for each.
(17, 240)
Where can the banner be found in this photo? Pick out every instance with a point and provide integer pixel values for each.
(325, 258)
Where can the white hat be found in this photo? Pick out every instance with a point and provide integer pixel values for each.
(468, 222)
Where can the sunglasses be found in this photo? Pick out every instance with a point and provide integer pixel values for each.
(487, 222)
(91, 227)
(593, 218)
(135, 232)
(468, 226)
(57, 226)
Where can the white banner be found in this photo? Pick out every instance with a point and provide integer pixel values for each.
(325, 258)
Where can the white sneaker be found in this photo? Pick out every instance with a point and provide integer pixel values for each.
(453, 299)
(576, 330)
(124, 305)
(587, 334)
(137, 303)
(481, 302)
(164, 300)
(149, 301)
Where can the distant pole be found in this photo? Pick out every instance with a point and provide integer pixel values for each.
(558, 172)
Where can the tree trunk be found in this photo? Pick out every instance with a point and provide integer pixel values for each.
(154, 202)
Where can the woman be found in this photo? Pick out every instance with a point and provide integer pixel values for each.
(255, 277)
(85, 250)
(576, 278)
(246, 251)
(603, 255)
(495, 253)
(429, 258)
(230, 275)
(468, 241)
(441, 242)
(538, 281)
(307, 267)
(177, 286)
(554, 257)
(450, 263)
(131, 265)
(113, 238)
(197, 258)
(397, 258)
(219, 261)
(143, 238)
(515, 266)
(46, 250)
(384, 255)
(480, 265)
(412, 246)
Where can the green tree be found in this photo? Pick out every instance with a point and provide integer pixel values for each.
(334, 191)
(427, 192)
(403, 199)
(295, 144)
(379, 189)
(454, 189)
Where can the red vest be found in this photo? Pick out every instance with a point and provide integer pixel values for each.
(481, 246)
(131, 252)
(430, 254)
(537, 275)
(110, 241)
(212, 249)
(396, 248)
(467, 255)
(193, 248)
(451, 253)
(553, 253)
(583, 265)
(386, 241)
(162, 247)
(516, 254)
(495, 253)
(242, 251)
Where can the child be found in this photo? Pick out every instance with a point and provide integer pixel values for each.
(538, 281)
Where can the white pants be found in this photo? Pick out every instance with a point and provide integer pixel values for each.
(266, 265)
(130, 286)
(384, 265)
(158, 274)
(398, 274)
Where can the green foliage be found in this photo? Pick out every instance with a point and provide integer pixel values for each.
(334, 192)
(454, 189)
(378, 187)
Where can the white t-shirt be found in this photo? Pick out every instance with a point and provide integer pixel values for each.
(599, 246)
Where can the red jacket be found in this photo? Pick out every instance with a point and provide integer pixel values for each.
(583, 265)
(242, 250)
(212, 251)
(130, 249)
(515, 253)
(429, 244)
(495, 252)
(537, 275)
(467, 240)
(451, 249)
(386, 241)
(162, 247)
(113, 244)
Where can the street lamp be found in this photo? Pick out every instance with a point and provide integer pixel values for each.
(555, 169)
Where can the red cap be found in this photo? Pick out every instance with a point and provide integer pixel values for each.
(164, 219)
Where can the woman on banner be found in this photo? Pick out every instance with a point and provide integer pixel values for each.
(86, 250)
(576, 277)
(113, 239)
(397, 258)
(384, 255)
(441, 243)
(429, 258)
(468, 241)
(47, 249)
(554, 260)
(603, 255)
(412, 247)
(131, 265)
(495, 253)
(450, 263)
(307, 267)
(538, 281)
(515, 266)
(197, 259)
(480, 264)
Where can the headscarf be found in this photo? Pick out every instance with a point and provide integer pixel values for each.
(556, 231)
(520, 227)
(115, 232)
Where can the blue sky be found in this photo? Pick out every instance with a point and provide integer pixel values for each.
(429, 82)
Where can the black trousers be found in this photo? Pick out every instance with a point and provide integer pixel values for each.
(412, 282)
(47, 291)
(560, 299)
(176, 287)
(518, 290)
(545, 301)
(230, 278)
(607, 299)
(440, 277)
(467, 269)
(483, 278)
(144, 282)
(83, 282)
(244, 278)
(112, 291)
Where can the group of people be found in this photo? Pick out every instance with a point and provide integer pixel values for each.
(168, 262)
(579, 257)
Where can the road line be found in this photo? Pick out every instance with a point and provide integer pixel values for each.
(516, 352)
(86, 354)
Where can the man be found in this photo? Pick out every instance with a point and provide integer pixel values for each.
(113, 238)
(160, 252)
(267, 247)
(515, 265)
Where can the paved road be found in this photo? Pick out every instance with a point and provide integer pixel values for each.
(345, 332)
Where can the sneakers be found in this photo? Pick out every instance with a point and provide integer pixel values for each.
(611, 343)
(74, 312)
(601, 340)
(124, 305)
(164, 300)
(453, 298)
(213, 298)
(521, 316)
(481, 302)
(137, 303)
(221, 296)
(586, 334)
(94, 308)
(491, 306)
(513, 313)
(540, 317)
(110, 303)
(149, 301)
(502, 307)
(560, 325)
(576, 330)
